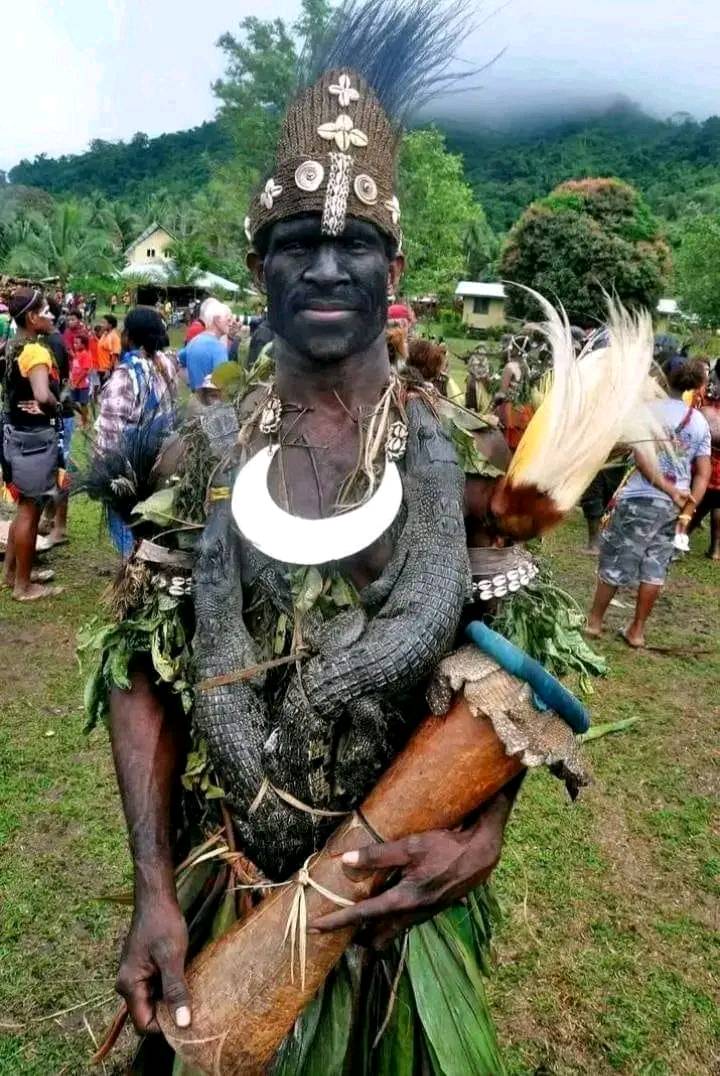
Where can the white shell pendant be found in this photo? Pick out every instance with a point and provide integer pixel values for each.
(296, 540)
(271, 418)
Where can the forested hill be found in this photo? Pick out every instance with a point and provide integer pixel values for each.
(180, 162)
(675, 164)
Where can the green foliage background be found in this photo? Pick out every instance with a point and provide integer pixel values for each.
(586, 240)
(463, 187)
(698, 268)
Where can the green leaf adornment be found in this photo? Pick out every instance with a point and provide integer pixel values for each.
(469, 455)
(158, 508)
(446, 978)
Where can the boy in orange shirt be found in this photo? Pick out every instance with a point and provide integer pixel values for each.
(109, 348)
(94, 378)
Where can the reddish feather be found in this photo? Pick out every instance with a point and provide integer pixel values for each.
(523, 512)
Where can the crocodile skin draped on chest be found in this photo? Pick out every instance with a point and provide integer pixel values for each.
(326, 729)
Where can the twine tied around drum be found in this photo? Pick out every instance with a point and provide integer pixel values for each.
(296, 926)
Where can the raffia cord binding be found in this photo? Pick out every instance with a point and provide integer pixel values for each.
(296, 924)
(297, 921)
(296, 927)
(292, 801)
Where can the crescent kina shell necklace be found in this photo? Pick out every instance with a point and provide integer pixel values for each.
(297, 540)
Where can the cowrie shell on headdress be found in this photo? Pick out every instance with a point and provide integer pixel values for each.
(344, 92)
(365, 189)
(272, 191)
(343, 132)
(393, 207)
(309, 176)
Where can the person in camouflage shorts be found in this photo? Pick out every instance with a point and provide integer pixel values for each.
(637, 546)
(655, 503)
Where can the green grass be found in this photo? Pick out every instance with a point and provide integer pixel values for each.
(608, 957)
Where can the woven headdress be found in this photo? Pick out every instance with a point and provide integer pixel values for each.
(340, 137)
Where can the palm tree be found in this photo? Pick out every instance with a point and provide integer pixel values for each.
(64, 245)
(126, 223)
(209, 209)
(187, 259)
(480, 246)
(99, 211)
(14, 229)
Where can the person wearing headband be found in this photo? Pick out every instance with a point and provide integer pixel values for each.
(31, 441)
(323, 537)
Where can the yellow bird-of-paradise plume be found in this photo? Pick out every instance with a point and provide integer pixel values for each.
(596, 400)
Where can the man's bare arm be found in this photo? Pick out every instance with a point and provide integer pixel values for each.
(436, 869)
(147, 749)
(649, 470)
(702, 470)
(701, 477)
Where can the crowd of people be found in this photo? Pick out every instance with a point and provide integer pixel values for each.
(63, 366)
(59, 367)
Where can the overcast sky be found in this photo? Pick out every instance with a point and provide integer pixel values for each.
(72, 70)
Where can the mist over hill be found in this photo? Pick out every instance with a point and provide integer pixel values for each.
(674, 162)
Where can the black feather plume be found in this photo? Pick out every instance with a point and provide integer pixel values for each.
(407, 52)
(121, 476)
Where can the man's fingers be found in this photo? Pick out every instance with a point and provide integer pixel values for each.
(395, 900)
(175, 990)
(138, 998)
(380, 856)
(379, 935)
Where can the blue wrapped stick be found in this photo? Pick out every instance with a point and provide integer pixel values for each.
(515, 661)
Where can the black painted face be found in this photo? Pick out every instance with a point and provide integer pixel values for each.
(326, 297)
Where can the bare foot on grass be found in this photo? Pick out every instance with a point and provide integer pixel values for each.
(634, 639)
(36, 592)
(590, 551)
(37, 575)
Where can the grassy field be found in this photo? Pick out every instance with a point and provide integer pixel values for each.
(608, 956)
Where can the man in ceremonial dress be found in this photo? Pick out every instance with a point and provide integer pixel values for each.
(342, 549)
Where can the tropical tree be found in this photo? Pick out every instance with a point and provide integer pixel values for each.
(588, 239)
(481, 247)
(188, 257)
(439, 212)
(260, 77)
(218, 213)
(116, 218)
(697, 269)
(63, 245)
(18, 207)
(14, 229)
(260, 73)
